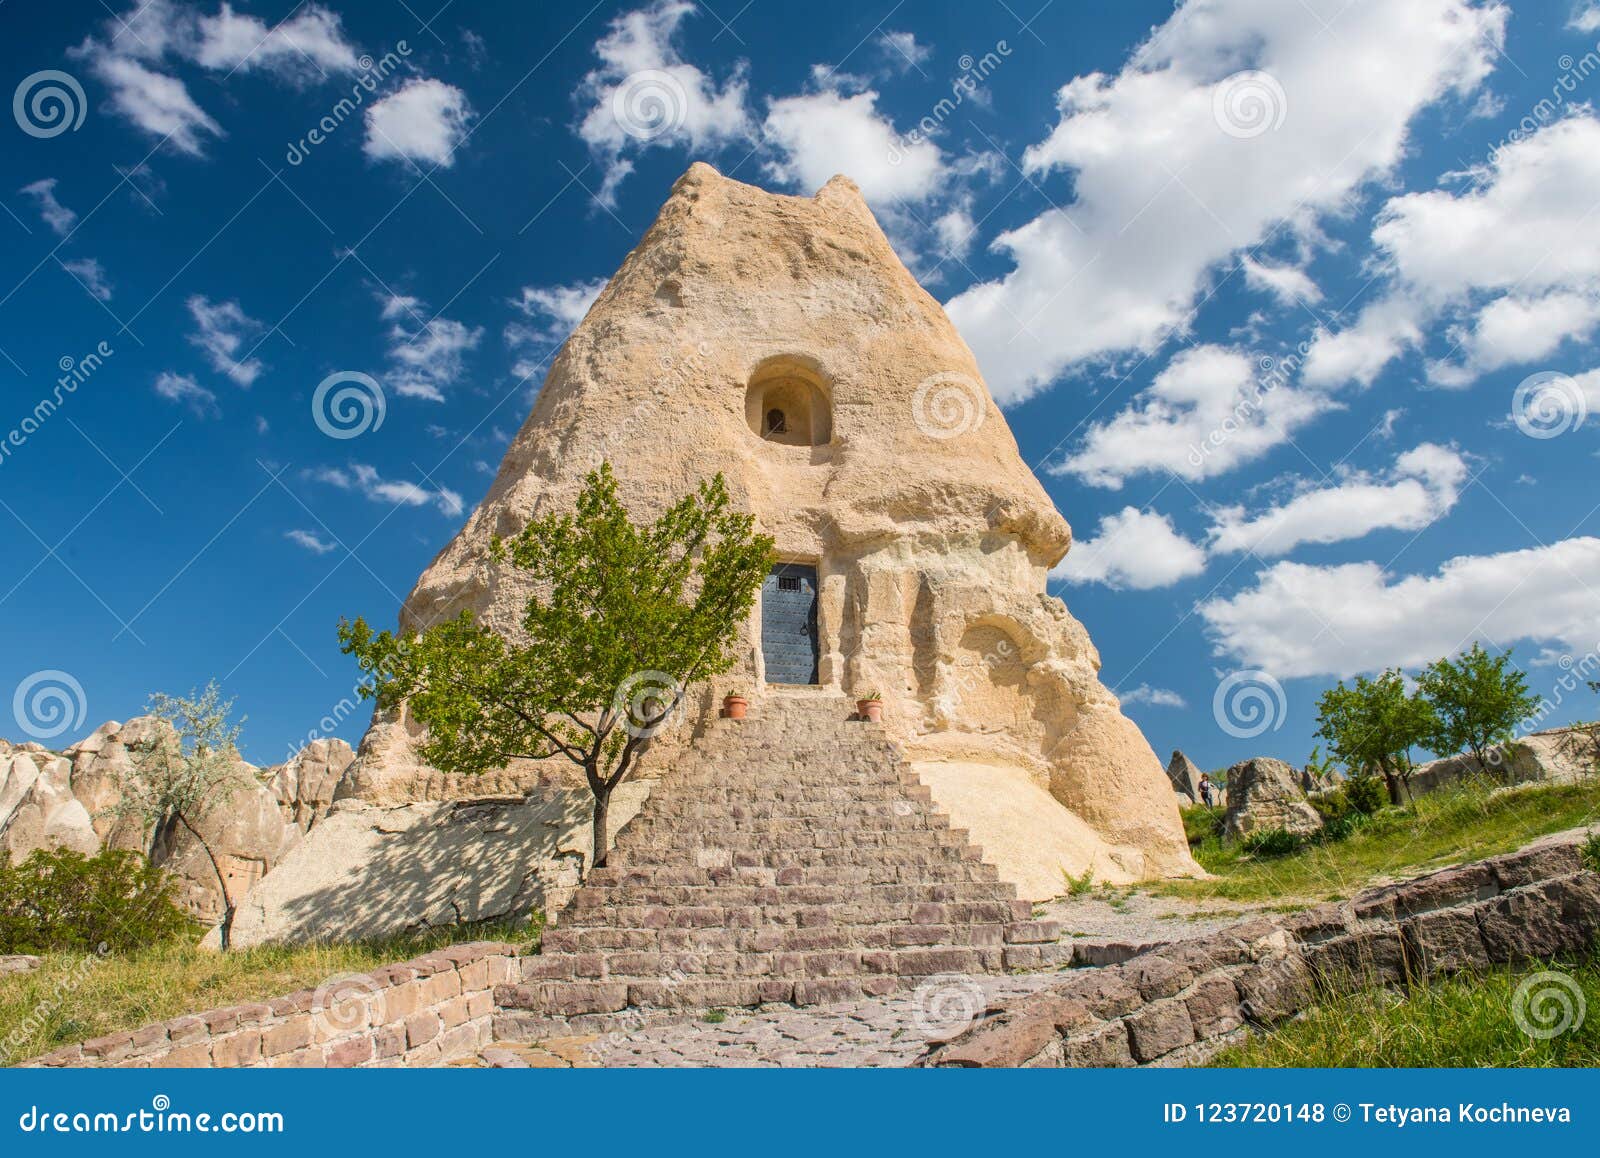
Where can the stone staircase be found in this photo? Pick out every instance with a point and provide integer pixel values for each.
(793, 858)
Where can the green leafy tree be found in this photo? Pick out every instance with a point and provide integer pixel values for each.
(623, 619)
(57, 900)
(1477, 701)
(184, 773)
(1373, 725)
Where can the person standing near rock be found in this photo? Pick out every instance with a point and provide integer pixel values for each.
(1205, 789)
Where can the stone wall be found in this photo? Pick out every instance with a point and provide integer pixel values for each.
(420, 1012)
(1177, 1004)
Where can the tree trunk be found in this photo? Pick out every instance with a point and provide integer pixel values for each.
(1392, 781)
(602, 809)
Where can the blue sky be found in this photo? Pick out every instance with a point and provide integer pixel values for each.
(1291, 307)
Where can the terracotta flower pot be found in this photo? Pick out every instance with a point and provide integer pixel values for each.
(734, 707)
(870, 710)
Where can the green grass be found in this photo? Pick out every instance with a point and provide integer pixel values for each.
(1463, 1021)
(71, 997)
(1465, 822)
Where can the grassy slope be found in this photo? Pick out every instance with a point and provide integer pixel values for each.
(1465, 1021)
(72, 998)
(1442, 828)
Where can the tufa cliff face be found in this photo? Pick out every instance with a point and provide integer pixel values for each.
(780, 341)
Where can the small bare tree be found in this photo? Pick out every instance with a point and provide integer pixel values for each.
(183, 773)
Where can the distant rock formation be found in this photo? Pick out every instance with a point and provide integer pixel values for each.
(1185, 776)
(68, 799)
(1264, 794)
(1559, 755)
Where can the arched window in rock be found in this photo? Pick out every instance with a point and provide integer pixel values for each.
(787, 403)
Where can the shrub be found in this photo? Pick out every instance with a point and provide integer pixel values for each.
(1270, 842)
(1365, 794)
(1080, 885)
(1341, 827)
(1589, 854)
(114, 901)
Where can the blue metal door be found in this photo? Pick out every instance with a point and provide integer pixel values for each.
(789, 624)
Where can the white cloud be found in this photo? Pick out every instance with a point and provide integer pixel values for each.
(552, 312)
(1165, 194)
(1423, 486)
(155, 102)
(1210, 409)
(558, 308)
(956, 230)
(1288, 283)
(426, 356)
(1155, 697)
(1585, 17)
(91, 275)
(1513, 331)
(310, 541)
(137, 47)
(310, 41)
(222, 329)
(1359, 352)
(424, 121)
(1341, 620)
(185, 390)
(365, 480)
(1132, 549)
(56, 215)
(644, 94)
(820, 134)
(903, 51)
(1516, 254)
(1589, 384)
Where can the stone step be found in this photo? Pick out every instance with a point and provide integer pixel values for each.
(786, 857)
(790, 811)
(891, 972)
(564, 940)
(912, 819)
(692, 896)
(789, 838)
(881, 874)
(798, 916)
(654, 965)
